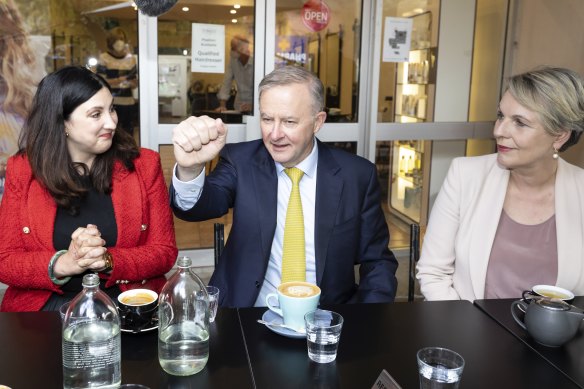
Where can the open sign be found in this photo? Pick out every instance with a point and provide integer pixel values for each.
(315, 15)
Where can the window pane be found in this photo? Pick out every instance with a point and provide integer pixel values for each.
(39, 37)
(217, 78)
(406, 88)
(325, 38)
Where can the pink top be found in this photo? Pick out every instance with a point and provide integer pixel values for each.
(521, 256)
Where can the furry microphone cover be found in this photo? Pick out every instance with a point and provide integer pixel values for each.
(154, 7)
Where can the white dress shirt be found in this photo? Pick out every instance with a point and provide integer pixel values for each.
(187, 194)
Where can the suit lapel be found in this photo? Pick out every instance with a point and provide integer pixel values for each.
(569, 233)
(265, 188)
(329, 188)
(484, 223)
(127, 201)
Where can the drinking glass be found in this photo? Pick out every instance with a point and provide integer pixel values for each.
(439, 368)
(213, 293)
(323, 332)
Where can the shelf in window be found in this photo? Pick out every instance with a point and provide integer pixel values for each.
(410, 116)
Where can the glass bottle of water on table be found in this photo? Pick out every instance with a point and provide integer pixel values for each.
(91, 339)
(183, 322)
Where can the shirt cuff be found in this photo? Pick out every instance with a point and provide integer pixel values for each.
(187, 193)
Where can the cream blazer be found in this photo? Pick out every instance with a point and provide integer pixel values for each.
(464, 220)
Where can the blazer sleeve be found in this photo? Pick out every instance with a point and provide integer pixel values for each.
(155, 254)
(23, 262)
(437, 261)
(377, 281)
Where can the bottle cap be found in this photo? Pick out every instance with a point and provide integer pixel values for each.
(184, 262)
(90, 280)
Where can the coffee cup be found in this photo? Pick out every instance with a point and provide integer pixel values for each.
(137, 308)
(295, 299)
(549, 291)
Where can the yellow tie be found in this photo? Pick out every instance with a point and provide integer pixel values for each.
(294, 255)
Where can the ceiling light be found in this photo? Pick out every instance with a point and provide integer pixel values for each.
(185, 52)
(237, 6)
(233, 20)
(185, 9)
(233, 11)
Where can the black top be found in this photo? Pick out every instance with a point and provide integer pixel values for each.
(95, 208)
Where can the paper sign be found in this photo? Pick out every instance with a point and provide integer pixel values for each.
(385, 381)
(208, 48)
(397, 39)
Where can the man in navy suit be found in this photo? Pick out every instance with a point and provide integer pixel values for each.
(341, 200)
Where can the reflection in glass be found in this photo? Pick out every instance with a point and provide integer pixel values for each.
(325, 38)
(205, 58)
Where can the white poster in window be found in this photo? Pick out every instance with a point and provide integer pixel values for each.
(397, 39)
(208, 48)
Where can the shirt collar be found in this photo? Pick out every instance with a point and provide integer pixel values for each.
(308, 165)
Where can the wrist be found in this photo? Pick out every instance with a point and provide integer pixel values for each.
(51, 269)
(186, 174)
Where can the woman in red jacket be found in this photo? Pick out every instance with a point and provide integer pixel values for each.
(80, 197)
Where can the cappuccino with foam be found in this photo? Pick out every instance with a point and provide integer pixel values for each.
(294, 299)
(298, 289)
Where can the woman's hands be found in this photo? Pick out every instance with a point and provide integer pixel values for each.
(86, 252)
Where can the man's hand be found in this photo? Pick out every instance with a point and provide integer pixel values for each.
(197, 140)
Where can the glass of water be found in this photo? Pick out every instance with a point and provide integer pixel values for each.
(213, 293)
(439, 368)
(323, 331)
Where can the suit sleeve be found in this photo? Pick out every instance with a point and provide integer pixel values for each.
(378, 264)
(437, 261)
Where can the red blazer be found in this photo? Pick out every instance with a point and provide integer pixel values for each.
(145, 249)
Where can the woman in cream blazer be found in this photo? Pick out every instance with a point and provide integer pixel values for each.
(465, 217)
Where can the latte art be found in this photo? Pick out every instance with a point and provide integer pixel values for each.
(299, 289)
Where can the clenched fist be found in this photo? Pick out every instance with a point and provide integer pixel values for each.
(197, 140)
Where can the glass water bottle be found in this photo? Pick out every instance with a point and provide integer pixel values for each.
(91, 339)
(183, 322)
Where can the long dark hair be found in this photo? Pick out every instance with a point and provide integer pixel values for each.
(44, 142)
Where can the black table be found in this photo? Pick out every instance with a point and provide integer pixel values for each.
(387, 336)
(30, 355)
(569, 358)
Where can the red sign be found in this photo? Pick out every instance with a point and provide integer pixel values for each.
(315, 15)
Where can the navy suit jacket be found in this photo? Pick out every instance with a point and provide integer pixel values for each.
(350, 225)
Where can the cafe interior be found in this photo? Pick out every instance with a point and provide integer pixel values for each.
(409, 111)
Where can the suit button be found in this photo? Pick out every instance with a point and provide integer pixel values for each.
(143, 227)
(257, 283)
(26, 230)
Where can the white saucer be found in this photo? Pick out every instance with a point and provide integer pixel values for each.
(271, 317)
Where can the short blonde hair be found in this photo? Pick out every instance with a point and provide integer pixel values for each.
(556, 95)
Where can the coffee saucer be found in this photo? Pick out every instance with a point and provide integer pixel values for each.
(149, 327)
(271, 317)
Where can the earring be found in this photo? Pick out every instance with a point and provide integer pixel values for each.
(555, 154)
(66, 134)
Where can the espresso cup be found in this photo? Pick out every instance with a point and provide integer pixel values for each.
(137, 308)
(295, 299)
(550, 291)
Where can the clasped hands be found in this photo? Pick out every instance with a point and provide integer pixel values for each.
(86, 252)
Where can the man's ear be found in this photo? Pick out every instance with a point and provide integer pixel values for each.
(320, 118)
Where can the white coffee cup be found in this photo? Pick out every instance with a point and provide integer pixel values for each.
(295, 299)
(552, 291)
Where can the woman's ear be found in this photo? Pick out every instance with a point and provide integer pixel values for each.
(561, 139)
